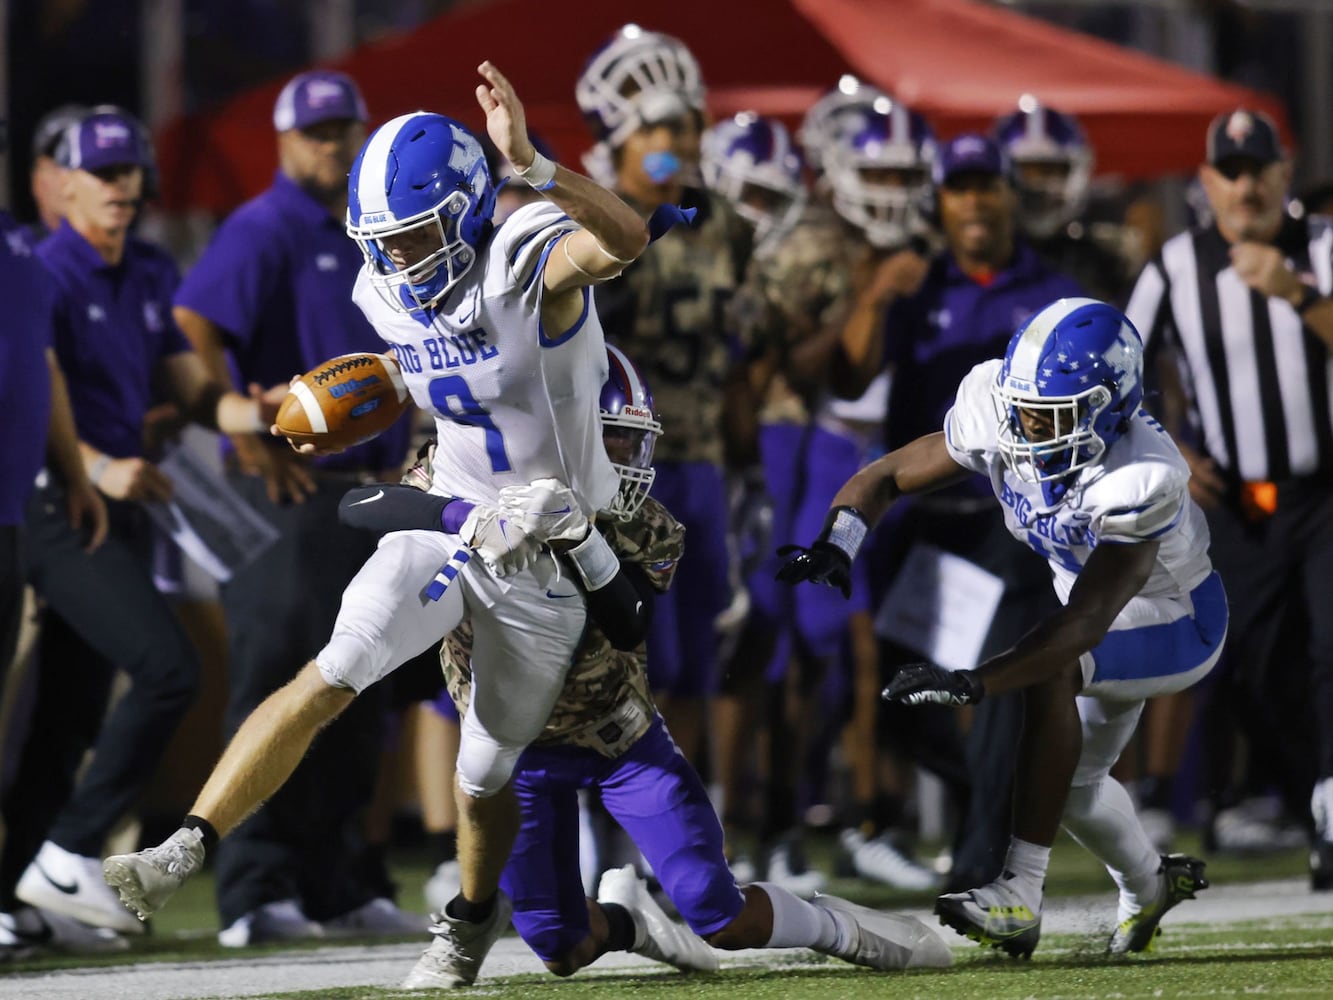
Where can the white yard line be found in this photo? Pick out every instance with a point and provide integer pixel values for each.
(385, 965)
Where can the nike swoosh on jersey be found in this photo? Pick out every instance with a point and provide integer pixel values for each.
(552, 594)
(358, 503)
(68, 890)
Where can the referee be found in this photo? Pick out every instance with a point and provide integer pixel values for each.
(1244, 306)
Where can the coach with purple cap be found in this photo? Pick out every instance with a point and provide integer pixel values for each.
(929, 321)
(272, 298)
(121, 354)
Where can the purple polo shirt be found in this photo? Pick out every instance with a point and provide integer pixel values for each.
(277, 278)
(25, 387)
(953, 323)
(112, 326)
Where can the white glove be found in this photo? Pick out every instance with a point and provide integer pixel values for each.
(503, 546)
(545, 509)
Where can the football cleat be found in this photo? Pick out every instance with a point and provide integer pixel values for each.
(455, 956)
(72, 885)
(146, 879)
(1182, 877)
(993, 915)
(785, 870)
(282, 920)
(879, 860)
(887, 941)
(656, 936)
(380, 917)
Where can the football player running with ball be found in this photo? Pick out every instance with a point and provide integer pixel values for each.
(495, 333)
(604, 732)
(1092, 483)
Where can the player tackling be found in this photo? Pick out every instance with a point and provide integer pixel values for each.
(1091, 482)
(496, 335)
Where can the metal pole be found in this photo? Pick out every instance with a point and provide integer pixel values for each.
(332, 26)
(1316, 154)
(161, 65)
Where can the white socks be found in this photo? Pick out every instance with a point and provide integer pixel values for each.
(798, 924)
(1027, 863)
(1101, 817)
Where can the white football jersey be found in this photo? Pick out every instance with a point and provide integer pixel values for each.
(510, 403)
(1140, 491)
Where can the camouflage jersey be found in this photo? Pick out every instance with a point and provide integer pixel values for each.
(669, 312)
(798, 289)
(605, 704)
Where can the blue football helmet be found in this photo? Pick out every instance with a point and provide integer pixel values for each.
(421, 173)
(752, 162)
(877, 159)
(634, 77)
(1078, 366)
(630, 432)
(1054, 143)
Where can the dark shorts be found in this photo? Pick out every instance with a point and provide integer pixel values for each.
(653, 793)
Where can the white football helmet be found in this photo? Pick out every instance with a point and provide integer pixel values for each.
(635, 77)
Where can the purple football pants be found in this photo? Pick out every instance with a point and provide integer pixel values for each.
(682, 640)
(653, 793)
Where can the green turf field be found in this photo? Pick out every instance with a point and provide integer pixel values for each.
(1287, 956)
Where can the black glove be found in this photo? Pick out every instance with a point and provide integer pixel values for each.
(927, 684)
(828, 560)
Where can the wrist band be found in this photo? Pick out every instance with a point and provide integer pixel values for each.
(98, 469)
(595, 560)
(539, 174)
(845, 529)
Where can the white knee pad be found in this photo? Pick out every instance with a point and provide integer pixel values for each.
(484, 767)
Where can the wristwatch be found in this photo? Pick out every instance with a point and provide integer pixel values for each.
(1309, 297)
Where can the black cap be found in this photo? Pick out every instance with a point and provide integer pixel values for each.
(1251, 134)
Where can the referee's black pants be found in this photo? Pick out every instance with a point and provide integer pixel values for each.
(927, 734)
(280, 609)
(103, 613)
(1276, 679)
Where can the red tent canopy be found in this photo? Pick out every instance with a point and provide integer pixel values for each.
(959, 62)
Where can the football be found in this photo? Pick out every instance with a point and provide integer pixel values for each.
(344, 401)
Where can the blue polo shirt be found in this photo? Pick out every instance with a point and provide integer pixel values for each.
(25, 387)
(277, 278)
(953, 323)
(112, 326)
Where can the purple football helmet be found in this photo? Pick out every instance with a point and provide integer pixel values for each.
(635, 77)
(877, 159)
(1053, 165)
(630, 432)
(1078, 363)
(752, 161)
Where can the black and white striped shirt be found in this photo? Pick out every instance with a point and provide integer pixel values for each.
(1258, 379)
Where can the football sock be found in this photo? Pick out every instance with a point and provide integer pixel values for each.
(204, 828)
(443, 845)
(474, 913)
(1101, 817)
(798, 924)
(1027, 864)
(620, 936)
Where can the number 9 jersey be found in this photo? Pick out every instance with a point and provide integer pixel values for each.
(512, 401)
